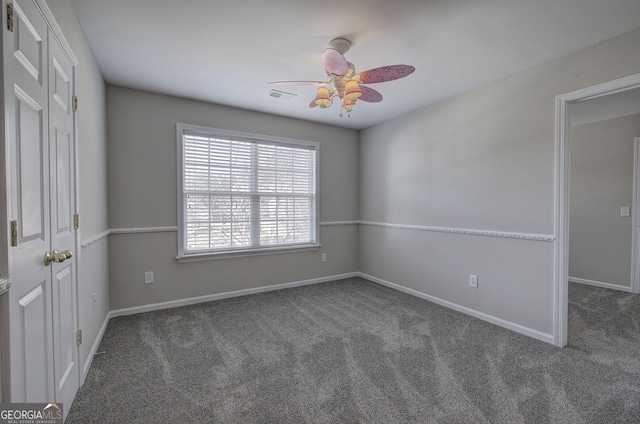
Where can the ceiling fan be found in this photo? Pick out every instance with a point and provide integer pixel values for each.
(342, 81)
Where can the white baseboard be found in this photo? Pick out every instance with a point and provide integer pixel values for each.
(480, 315)
(94, 346)
(600, 284)
(219, 296)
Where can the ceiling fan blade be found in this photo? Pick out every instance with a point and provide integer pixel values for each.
(313, 103)
(385, 73)
(334, 62)
(369, 95)
(297, 83)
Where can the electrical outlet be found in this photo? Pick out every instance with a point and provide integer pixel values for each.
(148, 277)
(94, 301)
(324, 257)
(473, 281)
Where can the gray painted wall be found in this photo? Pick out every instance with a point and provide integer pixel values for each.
(142, 193)
(92, 142)
(601, 181)
(481, 160)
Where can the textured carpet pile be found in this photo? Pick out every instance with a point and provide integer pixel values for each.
(353, 351)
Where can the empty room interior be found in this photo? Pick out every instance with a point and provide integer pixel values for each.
(195, 232)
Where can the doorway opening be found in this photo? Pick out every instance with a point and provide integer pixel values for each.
(562, 167)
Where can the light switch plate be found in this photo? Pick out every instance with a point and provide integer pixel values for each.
(625, 211)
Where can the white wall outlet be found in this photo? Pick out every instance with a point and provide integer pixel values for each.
(625, 211)
(324, 257)
(94, 301)
(473, 281)
(148, 277)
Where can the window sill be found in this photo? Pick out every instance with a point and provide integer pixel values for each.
(208, 256)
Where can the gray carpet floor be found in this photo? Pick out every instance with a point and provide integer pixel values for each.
(352, 351)
(604, 321)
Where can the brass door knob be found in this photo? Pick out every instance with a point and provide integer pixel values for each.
(57, 257)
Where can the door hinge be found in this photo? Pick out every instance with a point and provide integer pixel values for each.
(14, 233)
(74, 103)
(10, 17)
(76, 221)
(79, 337)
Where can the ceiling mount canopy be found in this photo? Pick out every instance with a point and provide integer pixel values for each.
(343, 82)
(340, 44)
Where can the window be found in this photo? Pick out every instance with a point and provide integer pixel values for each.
(243, 194)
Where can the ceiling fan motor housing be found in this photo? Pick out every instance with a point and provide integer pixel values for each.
(339, 84)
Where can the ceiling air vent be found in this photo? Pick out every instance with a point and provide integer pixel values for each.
(280, 95)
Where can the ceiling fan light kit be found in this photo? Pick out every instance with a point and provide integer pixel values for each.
(343, 82)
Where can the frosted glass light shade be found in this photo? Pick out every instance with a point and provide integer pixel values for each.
(352, 90)
(322, 97)
(348, 105)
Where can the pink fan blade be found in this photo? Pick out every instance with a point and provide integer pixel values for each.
(386, 73)
(313, 103)
(296, 83)
(334, 62)
(369, 95)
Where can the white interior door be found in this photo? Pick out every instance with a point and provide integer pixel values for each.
(62, 207)
(26, 102)
(39, 129)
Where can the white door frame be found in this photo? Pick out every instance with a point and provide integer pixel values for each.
(635, 213)
(561, 217)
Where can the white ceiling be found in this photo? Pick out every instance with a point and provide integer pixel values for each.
(227, 51)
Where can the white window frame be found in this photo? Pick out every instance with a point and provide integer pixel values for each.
(186, 256)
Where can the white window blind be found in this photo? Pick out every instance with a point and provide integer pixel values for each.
(246, 194)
